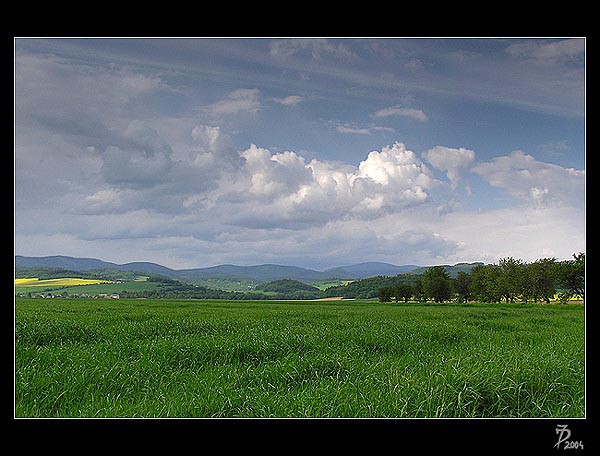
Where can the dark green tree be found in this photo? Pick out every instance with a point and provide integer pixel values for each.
(512, 278)
(418, 290)
(462, 287)
(385, 294)
(437, 284)
(403, 291)
(540, 282)
(571, 276)
(485, 283)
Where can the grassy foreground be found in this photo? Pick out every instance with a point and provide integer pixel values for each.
(157, 358)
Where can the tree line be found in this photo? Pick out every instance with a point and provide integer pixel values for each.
(173, 289)
(510, 280)
(369, 287)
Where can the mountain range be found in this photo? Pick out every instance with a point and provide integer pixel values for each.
(259, 273)
(262, 272)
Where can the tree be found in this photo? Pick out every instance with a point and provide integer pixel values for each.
(541, 279)
(571, 275)
(512, 278)
(462, 287)
(403, 291)
(436, 284)
(485, 283)
(385, 294)
(418, 290)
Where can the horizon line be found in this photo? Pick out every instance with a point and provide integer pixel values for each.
(251, 265)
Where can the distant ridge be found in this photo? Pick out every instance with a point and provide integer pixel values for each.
(452, 270)
(370, 269)
(63, 262)
(263, 272)
(260, 273)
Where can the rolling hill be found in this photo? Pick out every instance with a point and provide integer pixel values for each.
(368, 269)
(452, 270)
(288, 286)
(259, 273)
(88, 264)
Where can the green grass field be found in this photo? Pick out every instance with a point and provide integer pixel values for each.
(112, 287)
(158, 358)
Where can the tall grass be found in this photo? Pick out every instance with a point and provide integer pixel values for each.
(146, 358)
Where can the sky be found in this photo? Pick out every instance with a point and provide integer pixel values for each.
(316, 152)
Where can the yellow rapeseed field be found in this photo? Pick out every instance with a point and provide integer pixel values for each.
(62, 282)
(25, 281)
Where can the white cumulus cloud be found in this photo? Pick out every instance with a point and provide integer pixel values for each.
(453, 161)
(274, 174)
(530, 180)
(317, 192)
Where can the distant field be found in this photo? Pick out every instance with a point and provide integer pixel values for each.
(80, 286)
(34, 284)
(113, 287)
(162, 358)
(243, 285)
(261, 292)
(324, 284)
(62, 282)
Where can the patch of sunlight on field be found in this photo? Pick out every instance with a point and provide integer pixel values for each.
(65, 281)
(572, 298)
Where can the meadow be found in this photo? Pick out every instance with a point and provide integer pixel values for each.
(167, 358)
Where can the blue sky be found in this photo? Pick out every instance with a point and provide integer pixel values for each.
(308, 151)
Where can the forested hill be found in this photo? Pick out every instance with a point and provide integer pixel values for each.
(289, 289)
(288, 286)
(369, 288)
(452, 270)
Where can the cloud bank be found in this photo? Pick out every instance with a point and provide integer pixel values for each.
(226, 203)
